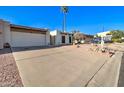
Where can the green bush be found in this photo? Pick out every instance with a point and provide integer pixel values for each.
(117, 35)
(117, 40)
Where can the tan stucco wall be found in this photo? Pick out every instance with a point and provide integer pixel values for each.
(1, 34)
(1, 41)
(58, 37)
(20, 39)
(48, 38)
(6, 33)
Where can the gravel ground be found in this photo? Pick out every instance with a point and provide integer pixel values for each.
(9, 74)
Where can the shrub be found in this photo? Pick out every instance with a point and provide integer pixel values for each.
(117, 40)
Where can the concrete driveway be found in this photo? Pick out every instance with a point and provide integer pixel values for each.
(59, 66)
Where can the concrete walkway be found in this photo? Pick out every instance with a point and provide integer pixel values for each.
(108, 75)
(121, 74)
(60, 66)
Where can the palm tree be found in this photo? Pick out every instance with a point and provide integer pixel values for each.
(65, 11)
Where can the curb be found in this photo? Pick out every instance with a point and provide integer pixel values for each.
(108, 75)
(118, 73)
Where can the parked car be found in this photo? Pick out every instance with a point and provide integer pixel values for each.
(96, 40)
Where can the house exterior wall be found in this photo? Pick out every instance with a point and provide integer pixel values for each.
(87, 39)
(6, 33)
(53, 37)
(1, 41)
(56, 34)
(102, 34)
(48, 38)
(71, 38)
(1, 34)
(105, 36)
(58, 37)
(67, 39)
(20, 39)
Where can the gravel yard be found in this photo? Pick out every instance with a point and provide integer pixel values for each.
(9, 74)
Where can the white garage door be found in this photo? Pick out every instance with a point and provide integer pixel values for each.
(21, 39)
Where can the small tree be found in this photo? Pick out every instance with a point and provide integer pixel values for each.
(78, 36)
(96, 36)
(117, 35)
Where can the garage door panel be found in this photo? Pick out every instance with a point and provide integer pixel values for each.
(20, 39)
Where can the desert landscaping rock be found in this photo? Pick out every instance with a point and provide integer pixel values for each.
(9, 74)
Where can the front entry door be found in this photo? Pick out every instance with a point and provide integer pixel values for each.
(63, 39)
(69, 39)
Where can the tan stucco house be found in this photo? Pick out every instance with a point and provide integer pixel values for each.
(22, 36)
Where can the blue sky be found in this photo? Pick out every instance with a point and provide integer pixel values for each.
(86, 19)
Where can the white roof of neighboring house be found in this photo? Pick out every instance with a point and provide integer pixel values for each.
(103, 33)
(53, 33)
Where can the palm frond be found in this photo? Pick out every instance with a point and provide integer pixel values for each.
(64, 9)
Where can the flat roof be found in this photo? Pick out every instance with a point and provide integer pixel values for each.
(66, 33)
(27, 28)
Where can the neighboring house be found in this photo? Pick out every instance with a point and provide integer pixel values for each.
(102, 34)
(88, 38)
(60, 38)
(82, 38)
(1, 37)
(22, 36)
(106, 36)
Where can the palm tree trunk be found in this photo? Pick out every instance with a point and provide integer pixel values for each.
(64, 23)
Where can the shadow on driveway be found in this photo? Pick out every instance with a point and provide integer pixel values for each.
(18, 49)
